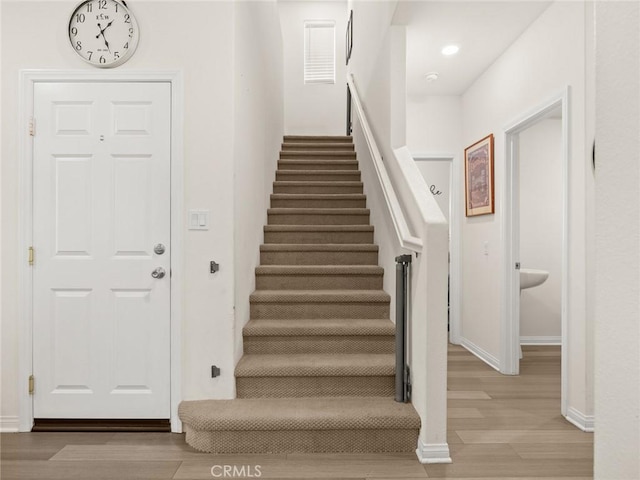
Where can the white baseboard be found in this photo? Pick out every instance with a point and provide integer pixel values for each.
(583, 422)
(9, 424)
(538, 340)
(483, 355)
(433, 453)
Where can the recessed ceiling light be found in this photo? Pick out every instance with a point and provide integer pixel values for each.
(432, 76)
(450, 50)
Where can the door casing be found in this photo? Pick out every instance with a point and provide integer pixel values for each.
(510, 223)
(28, 78)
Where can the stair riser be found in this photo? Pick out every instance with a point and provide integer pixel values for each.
(324, 219)
(309, 176)
(318, 282)
(345, 386)
(319, 258)
(319, 310)
(340, 147)
(303, 441)
(318, 237)
(321, 189)
(319, 344)
(317, 165)
(310, 155)
(318, 203)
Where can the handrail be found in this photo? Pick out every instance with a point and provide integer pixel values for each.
(406, 239)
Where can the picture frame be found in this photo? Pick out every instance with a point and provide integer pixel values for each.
(479, 178)
(349, 39)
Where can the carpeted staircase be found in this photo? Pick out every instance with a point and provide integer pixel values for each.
(318, 364)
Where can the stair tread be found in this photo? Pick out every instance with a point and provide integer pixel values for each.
(323, 145)
(318, 211)
(313, 183)
(319, 327)
(319, 172)
(316, 364)
(319, 156)
(318, 247)
(319, 196)
(319, 270)
(328, 413)
(317, 137)
(319, 296)
(310, 161)
(318, 228)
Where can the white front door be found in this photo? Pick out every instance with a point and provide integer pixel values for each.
(101, 203)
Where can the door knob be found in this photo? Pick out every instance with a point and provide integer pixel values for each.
(158, 273)
(159, 249)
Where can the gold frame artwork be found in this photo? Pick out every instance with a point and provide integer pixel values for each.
(478, 178)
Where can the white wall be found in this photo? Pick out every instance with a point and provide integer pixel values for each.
(547, 57)
(541, 228)
(370, 64)
(258, 133)
(617, 330)
(434, 125)
(205, 54)
(312, 109)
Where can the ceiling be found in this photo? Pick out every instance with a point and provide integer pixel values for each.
(482, 30)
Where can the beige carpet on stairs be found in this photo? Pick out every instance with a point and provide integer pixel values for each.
(318, 364)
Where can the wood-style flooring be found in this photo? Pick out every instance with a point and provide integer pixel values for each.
(499, 427)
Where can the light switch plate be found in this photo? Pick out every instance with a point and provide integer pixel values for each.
(198, 219)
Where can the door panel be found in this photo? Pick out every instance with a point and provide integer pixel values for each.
(101, 203)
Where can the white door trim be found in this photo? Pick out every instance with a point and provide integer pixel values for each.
(510, 221)
(455, 276)
(28, 78)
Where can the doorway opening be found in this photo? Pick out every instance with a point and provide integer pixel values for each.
(529, 252)
(439, 172)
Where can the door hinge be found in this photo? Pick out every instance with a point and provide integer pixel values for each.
(30, 255)
(32, 127)
(31, 384)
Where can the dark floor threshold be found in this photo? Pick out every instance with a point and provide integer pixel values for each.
(100, 425)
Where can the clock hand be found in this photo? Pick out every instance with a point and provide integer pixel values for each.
(102, 33)
(106, 43)
(103, 29)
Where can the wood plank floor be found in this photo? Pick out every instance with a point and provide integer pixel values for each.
(499, 427)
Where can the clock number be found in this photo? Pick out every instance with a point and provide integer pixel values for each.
(130, 32)
(89, 7)
(90, 54)
(78, 45)
(116, 7)
(126, 45)
(102, 4)
(116, 55)
(74, 31)
(127, 18)
(102, 59)
(80, 18)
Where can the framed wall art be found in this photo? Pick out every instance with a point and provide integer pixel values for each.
(478, 175)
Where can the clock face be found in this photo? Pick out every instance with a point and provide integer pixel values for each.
(103, 32)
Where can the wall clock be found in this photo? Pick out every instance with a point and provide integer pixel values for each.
(103, 32)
